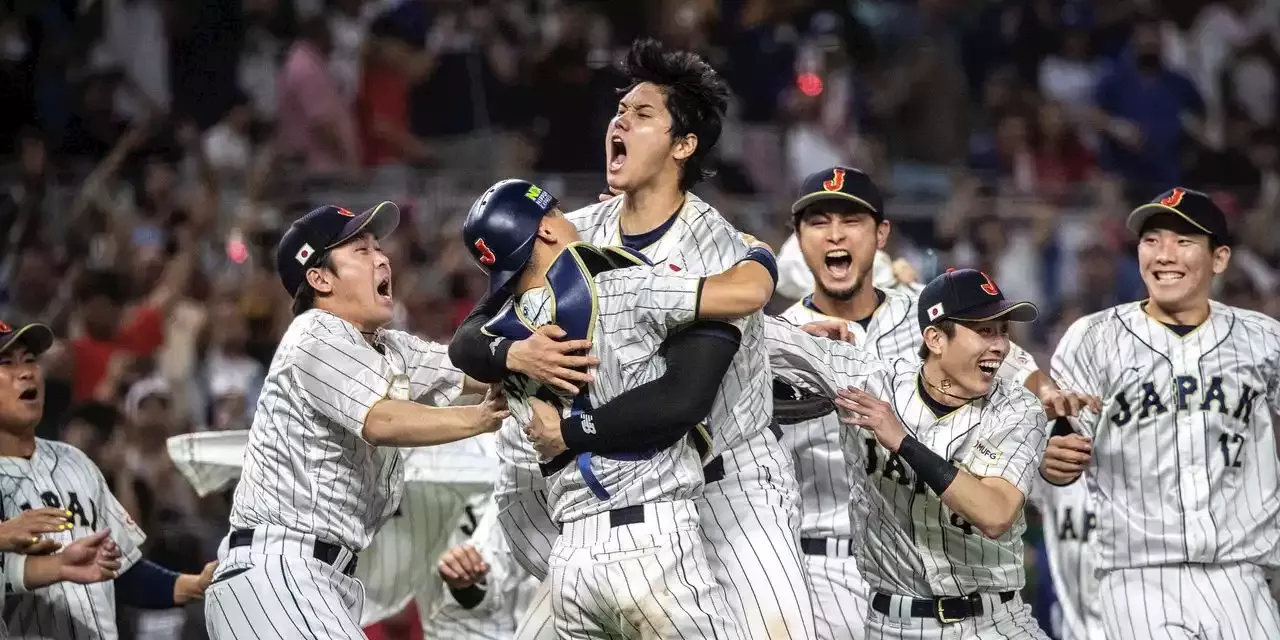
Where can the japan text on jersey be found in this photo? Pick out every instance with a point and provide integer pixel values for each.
(1184, 454)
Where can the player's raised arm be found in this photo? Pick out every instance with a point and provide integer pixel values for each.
(990, 491)
(742, 289)
(343, 383)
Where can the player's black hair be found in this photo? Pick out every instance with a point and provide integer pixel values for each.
(697, 98)
(305, 298)
(948, 329)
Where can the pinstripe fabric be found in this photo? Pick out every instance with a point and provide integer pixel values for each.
(915, 546)
(306, 466)
(643, 580)
(1069, 522)
(636, 309)
(59, 475)
(1189, 601)
(1184, 452)
(750, 517)
(1184, 467)
(509, 590)
(282, 593)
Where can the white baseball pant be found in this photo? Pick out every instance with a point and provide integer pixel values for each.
(538, 621)
(839, 591)
(279, 584)
(1008, 620)
(526, 521)
(1205, 602)
(750, 515)
(637, 572)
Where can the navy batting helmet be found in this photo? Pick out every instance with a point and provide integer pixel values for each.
(500, 228)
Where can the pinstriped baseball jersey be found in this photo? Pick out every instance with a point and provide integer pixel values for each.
(61, 476)
(636, 307)
(1184, 453)
(914, 544)
(306, 466)
(702, 242)
(1069, 520)
(892, 333)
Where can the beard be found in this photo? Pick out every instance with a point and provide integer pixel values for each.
(843, 294)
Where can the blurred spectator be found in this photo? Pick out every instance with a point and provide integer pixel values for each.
(228, 145)
(314, 124)
(1068, 75)
(1062, 162)
(349, 22)
(382, 108)
(1236, 40)
(135, 41)
(1145, 109)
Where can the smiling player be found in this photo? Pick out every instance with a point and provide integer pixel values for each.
(840, 227)
(1184, 467)
(952, 453)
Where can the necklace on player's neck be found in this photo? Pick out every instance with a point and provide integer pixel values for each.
(943, 388)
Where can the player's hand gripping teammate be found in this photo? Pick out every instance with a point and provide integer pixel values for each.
(462, 567)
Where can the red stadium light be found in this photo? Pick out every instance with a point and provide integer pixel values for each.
(809, 84)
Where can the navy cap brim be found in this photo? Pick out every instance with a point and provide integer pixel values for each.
(381, 221)
(819, 196)
(36, 337)
(1139, 217)
(999, 310)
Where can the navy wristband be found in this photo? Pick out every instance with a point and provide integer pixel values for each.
(766, 259)
(931, 468)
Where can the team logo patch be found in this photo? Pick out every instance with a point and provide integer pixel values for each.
(836, 182)
(935, 311)
(538, 196)
(345, 212)
(304, 254)
(588, 425)
(989, 287)
(985, 453)
(674, 267)
(1174, 198)
(486, 255)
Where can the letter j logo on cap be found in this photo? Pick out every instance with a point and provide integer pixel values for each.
(836, 182)
(486, 255)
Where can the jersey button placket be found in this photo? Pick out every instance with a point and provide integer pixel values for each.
(1193, 461)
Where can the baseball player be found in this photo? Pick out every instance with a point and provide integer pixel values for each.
(629, 495)
(656, 147)
(487, 591)
(1183, 451)
(840, 228)
(322, 469)
(36, 474)
(951, 452)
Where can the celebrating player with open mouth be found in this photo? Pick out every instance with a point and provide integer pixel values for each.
(36, 473)
(667, 123)
(950, 450)
(322, 470)
(1184, 470)
(630, 559)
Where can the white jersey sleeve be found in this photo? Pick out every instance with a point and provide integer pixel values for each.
(340, 380)
(433, 379)
(795, 281)
(1010, 446)
(1075, 367)
(823, 365)
(656, 296)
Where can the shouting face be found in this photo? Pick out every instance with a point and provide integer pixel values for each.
(839, 242)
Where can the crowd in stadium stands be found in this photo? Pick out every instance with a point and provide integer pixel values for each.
(153, 150)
